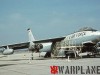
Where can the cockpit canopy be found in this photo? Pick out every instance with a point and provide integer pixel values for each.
(86, 29)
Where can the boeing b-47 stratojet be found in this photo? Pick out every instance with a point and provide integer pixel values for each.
(80, 43)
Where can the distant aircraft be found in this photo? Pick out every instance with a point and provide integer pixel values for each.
(80, 43)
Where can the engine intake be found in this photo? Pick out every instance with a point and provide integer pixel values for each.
(38, 46)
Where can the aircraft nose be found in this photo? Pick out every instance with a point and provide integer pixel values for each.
(98, 33)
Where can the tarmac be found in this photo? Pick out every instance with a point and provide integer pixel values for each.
(20, 64)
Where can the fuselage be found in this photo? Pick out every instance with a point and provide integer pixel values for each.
(78, 38)
(75, 42)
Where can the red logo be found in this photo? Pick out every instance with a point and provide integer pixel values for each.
(54, 69)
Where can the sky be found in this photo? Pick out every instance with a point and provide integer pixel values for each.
(46, 18)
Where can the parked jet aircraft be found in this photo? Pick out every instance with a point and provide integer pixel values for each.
(82, 42)
(31, 45)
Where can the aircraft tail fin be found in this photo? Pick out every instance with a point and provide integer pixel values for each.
(30, 35)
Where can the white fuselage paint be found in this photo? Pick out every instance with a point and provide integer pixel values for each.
(79, 37)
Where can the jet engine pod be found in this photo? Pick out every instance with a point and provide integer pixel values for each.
(8, 51)
(46, 47)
